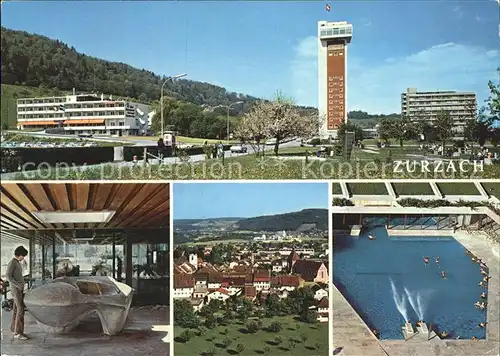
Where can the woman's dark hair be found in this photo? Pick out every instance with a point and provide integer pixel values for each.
(20, 251)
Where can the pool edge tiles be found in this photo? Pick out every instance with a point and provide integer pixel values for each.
(350, 331)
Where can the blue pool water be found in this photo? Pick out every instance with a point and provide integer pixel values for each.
(363, 270)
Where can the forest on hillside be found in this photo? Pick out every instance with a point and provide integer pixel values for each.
(37, 61)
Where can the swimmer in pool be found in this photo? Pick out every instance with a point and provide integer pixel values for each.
(443, 274)
(437, 260)
(426, 260)
(482, 325)
(483, 295)
(371, 237)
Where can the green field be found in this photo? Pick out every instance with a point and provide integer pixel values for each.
(336, 189)
(458, 189)
(492, 188)
(260, 343)
(412, 189)
(367, 188)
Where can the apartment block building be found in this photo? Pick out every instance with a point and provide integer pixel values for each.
(83, 114)
(426, 106)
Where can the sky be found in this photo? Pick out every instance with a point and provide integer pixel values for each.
(260, 47)
(242, 200)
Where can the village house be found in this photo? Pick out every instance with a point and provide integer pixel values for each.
(220, 294)
(261, 279)
(311, 271)
(197, 304)
(319, 293)
(285, 282)
(323, 310)
(200, 292)
(183, 286)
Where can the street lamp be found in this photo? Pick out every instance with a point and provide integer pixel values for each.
(161, 99)
(228, 107)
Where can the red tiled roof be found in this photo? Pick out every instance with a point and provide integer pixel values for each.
(183, 281)
(307, 269)
(234, 282)
(223, 291)
(285, 280)
(261, 275)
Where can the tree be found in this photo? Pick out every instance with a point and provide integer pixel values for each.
(240, 348)
(349, 127)
(275, 326)
(444, 127)
(278, 119)
(303, 337)
(169, 105)
(403, 129)
(210, 321)
(252, 327)
(272, 305)
(492, 109)
(184, 315)
(187, 335)
(227, 342)
(478, 131)
(309, 316)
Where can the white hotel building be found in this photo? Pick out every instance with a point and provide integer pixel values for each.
(83, 114)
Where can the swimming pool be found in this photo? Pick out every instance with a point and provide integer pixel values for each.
(372, 273)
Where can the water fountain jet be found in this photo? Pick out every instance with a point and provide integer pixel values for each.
(399, 301)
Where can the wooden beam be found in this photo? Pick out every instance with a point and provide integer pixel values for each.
(59, 195)
(82, 196)
(39, 196)
(11, 205)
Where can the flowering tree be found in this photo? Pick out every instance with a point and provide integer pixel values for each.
(278, 119)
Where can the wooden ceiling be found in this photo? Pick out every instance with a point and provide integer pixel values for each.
(137, 205)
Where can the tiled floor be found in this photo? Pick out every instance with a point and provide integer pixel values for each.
(145, 333)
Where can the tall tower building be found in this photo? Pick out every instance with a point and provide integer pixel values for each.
(333, 38)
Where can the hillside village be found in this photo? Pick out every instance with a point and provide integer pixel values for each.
(254, 276)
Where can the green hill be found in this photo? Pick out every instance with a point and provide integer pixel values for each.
(288, 221)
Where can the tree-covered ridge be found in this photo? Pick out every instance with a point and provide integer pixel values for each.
(38, 61)
(288, 221)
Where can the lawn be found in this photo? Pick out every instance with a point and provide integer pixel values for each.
(336, 189)
(247, 167)
(261, 343)
(458, 189)
(492, 188)
(367, 188)
(412, 189)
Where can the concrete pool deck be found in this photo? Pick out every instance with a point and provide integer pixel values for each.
(352, 334)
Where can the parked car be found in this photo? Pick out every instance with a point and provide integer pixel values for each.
(238, 149)
(85, 135)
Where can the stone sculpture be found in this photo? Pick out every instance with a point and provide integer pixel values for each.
(59, 305)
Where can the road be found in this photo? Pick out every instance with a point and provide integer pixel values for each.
(174, 160)
(131, 140)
